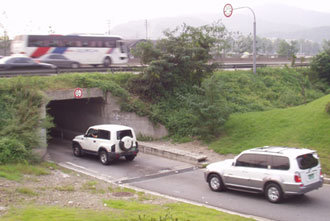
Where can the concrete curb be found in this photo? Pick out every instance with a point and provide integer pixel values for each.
(172, 153)
(326, 180)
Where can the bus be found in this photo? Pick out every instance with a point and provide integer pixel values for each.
(85, 49)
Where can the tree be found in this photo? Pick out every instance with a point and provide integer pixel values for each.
(244, 44)
(210, 109)
(4, 40)
(321, 64)
(326, 45)
(181, 58)
(264, 45)
(286, 49)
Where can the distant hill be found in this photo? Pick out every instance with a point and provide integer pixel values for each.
(314, 34)
(273, 20)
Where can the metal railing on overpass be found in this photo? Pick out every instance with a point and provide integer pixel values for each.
(137, 68)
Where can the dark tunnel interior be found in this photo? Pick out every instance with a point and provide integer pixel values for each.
(74, 116)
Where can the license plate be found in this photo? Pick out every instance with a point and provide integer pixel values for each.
(311, 176)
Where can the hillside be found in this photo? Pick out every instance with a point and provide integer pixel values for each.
(273, 20)
(302, 126)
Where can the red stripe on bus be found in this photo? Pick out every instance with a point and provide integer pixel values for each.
(39, 52)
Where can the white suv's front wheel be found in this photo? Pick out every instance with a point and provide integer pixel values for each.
(215, 183)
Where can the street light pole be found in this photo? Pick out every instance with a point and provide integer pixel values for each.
(254, 38)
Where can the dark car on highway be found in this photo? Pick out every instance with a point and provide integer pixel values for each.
(59, 60)
(18, 62)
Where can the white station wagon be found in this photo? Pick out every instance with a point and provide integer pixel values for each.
(108, 141)
(274, 171)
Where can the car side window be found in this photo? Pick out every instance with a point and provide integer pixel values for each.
(253, 160)
(280, 163)
(124, 133)
(245, 160)
(21, 61)
(261, 161)
(92, 133)
(104, 134)
(52, 57)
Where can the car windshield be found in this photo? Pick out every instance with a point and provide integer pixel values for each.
(307, 161)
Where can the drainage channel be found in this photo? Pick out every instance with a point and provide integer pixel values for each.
(157, 175)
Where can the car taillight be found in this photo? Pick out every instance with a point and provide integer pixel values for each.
(297, 178)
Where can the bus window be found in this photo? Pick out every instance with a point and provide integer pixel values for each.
(122, 48)
(67, 43)
(78, 44)
(45, 43)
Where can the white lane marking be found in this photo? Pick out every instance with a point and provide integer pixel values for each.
(163, 195)
(81, 167)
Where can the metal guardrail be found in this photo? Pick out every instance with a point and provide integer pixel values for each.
(50, 72)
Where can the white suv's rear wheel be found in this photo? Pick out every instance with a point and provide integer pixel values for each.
(274, 193)
(104, 157)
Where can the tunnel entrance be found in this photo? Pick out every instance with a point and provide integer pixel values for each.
(74, 116)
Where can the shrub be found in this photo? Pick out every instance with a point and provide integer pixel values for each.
(12, 151)
(321, 65)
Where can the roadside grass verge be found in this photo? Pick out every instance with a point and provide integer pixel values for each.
(301, 126)
(27, 202)
(17, 171)
(119, 210)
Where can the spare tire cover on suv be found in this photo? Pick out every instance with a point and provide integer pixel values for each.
(126, 143)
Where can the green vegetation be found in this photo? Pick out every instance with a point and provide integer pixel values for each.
(19, 121)
(17, 171)
(179, 59)
(321, 63)
(120, 210)
(67, 188)
(92, 186)
(189, 112)
(26, 191)
(302, 126)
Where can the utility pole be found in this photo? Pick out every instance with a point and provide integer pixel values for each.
(109, 25)
(146, 24)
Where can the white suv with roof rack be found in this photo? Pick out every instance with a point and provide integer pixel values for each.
(108, 141)
(274, 171)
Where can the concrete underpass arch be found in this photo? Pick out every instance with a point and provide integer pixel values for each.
(73, 116)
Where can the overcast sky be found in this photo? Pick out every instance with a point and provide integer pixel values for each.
(95, 16)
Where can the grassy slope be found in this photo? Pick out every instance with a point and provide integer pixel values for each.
(302, 126)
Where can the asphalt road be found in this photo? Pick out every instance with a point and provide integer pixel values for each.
(182, 180)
